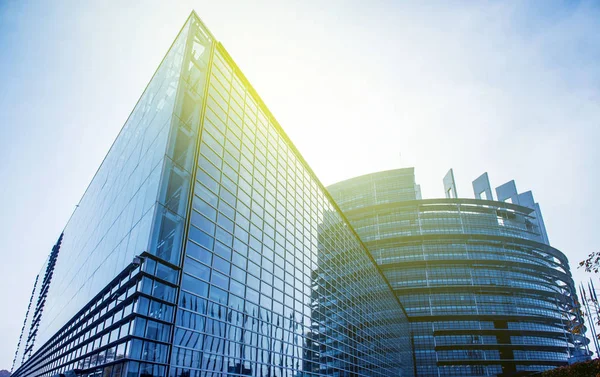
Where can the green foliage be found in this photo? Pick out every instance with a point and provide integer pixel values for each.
(587, 369)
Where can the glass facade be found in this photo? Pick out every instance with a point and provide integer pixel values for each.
(113, 221)
(484, 296)
(206, 245)
(274, 282)
(124, 330)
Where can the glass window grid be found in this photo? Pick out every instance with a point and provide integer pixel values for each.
(507, 260)
(241, 153)
(130, 164)
(101, 334)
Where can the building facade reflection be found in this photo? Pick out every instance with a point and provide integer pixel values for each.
(205, 245)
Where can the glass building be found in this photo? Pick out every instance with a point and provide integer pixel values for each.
(205, 245)
(485, 293)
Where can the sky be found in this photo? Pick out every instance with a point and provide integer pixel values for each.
(511, 88)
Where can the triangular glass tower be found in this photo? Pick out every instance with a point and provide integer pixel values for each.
(205, 245)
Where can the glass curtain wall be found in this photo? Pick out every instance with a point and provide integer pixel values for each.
(483, 295)
(202, 179)
(116, 216)
(275, 282)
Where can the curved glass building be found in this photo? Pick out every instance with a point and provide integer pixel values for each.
(485, 293)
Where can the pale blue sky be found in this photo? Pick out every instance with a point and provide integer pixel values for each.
(512, 88)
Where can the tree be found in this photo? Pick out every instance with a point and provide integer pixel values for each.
(585, 369)
(4, 373)
(591, 263)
